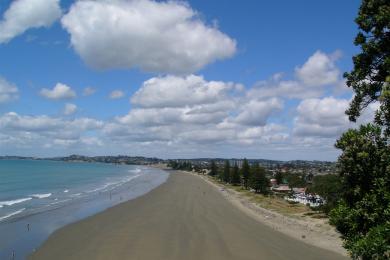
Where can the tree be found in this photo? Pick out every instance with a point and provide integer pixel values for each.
(258, 180)
(363, 215)
(279, 177)
(226, 172)
(295, 180)
(213, 169)
(372, 65)
(235, 178)
(328, 187)
(245, 173)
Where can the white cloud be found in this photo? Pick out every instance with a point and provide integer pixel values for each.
(318, 74)
(190, 111)
(322, 117)
(179, 116)
(319, 69)
(116, 94)
(88, 91)
(15, 122)
(25, 14)
(155, 36)
(290, 89)
(44, 131)
(69, 109)
(173, 91)
(256, 112)
(60, 91)
(8, 91)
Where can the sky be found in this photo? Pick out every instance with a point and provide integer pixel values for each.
(176, 79)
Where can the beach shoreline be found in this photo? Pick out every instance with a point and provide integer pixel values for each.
(316, 232)
(184, 218)
(50, 207)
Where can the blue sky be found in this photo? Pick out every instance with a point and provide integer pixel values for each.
(258, 79)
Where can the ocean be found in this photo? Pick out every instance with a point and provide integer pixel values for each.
(37, 197)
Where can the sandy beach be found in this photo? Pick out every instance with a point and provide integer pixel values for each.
(184, 218)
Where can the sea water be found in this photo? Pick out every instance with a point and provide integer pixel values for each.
(37, 197)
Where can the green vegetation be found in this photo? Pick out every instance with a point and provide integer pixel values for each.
(295, 180)
(213, 169)
(184, 166)
(372, 65)
(258, 180)
(328, 187)
(245, 171)
(274, 203)
(226, 172)
(235, 178)
(363, 214)
(255, 176)
(279, 177)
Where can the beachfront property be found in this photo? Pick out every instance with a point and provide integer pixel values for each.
(297, 195)
(313, 200)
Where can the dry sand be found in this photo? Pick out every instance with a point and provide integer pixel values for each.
(317, 232)
(184, 218)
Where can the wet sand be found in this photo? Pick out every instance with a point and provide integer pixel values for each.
(184, 218)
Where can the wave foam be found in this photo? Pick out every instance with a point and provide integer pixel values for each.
(12, 202)
(113, 185)
(137, 170)
(41, 196)
(12, 214)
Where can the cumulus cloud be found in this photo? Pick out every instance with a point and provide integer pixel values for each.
(43, 123)
(319, 69)
(326, 117)
(191, 110)
(321, 117)
(25, 14)
(256, 112)
(173, 91)
(155, 36)
(42, 130)
(116, 94)
(8, 91)
(312, 79)
(69, 109)
(188, 115)
(60, 91)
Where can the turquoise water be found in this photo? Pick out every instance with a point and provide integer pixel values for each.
(37, 197)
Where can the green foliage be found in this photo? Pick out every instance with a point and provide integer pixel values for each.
(363, 162)
(213, 169)
(328, 187)
(226, 172)
(382, 117)
(372, 65)
(279, 177)
(245, 172)
(363, 216)
(295, 180)
(235, 176)
(374, 244)
(184, 166)
(258, 180)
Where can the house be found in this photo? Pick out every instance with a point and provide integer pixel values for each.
(281, 189)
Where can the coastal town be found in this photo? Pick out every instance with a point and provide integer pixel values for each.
(291, 180)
